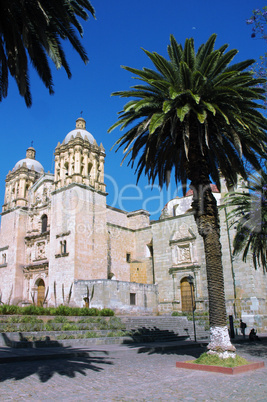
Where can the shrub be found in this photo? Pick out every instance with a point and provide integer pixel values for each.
(59, 320)
(9, 309)
(115, 323)
(49, 327)
(85, 311)
(113, 334)
(63, 310)
(104, 325)
(65, 336)
(107, 312)
(29, 310)
(91, 334)
(69, 327)
(75, 311)
(86, 320)
(57, 311)
(29, 320)
(41, 310)
(51, 311)
(14, 320)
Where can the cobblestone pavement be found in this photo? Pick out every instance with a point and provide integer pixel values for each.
(131, 374)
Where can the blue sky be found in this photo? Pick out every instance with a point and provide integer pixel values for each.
(115, 38)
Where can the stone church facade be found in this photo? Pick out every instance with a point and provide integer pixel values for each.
(58, 233)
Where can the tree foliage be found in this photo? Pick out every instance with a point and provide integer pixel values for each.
(195, 99)
(258, 22)
(249, 215)
(32, 30)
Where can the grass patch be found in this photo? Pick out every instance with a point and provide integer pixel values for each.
(213, 360)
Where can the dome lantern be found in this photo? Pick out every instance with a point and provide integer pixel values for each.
(80, 129)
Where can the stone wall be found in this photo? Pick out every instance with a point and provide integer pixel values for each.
(13, 231)
(116, 295)
(120, 244)
(116, 216)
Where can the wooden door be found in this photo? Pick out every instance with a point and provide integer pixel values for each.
(40, 293)
(186, 296)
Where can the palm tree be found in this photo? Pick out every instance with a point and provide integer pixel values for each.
(34, 30)
(197, 116)
(248, 212)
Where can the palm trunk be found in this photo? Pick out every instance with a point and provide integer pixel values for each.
(207, 220)
(219, 337)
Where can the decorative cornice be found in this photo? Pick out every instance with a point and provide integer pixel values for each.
(183, 267)
(61, 255)
(63, 234)
(36, 267)
(138, 212)
(38, 236)
(84, 186)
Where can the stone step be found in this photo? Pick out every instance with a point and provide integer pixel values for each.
(180, 326)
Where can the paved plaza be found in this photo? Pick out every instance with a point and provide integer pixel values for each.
(124, 373)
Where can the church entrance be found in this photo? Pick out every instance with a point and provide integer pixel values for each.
(40, 292)
(186, 296)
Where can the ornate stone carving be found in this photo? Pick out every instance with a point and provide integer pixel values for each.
(40, 250)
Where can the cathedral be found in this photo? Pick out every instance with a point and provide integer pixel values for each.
(61, 243)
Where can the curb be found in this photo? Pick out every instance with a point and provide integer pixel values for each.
(218, 369)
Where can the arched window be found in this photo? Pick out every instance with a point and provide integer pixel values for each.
(4, 258)
(90, 165)
(63, 247)
(66, 166)
(44, 223)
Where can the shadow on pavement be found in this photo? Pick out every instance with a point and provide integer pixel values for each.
(186, 350)
(150, 342)
(154, 340)
(45, 369)
(65, 361)
(155, 334)
(25, 343)
(255, 348)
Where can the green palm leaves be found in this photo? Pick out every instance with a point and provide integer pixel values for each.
(194, 97)
(34, 29)
(249, 215)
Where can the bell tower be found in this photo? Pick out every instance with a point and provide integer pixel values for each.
(18, 181)
(79, 159)
(78, 221)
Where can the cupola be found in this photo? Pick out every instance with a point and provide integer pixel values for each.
(78, 159)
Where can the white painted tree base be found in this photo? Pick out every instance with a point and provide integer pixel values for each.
(220, 343)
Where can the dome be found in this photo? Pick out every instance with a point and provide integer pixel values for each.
(80, 128)
(29, 164)
(29, 161)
